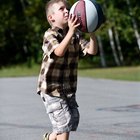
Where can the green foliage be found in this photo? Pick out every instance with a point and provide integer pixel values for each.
(22, 27)
(23, 23)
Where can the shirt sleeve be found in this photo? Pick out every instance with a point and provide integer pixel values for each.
(50, 42)
(84, 44)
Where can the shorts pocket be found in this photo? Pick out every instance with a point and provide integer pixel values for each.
(54, 107)
(62, 115)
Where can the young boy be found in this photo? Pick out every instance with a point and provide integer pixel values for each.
(57, 82)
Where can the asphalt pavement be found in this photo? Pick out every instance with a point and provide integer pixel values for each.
(109, 110)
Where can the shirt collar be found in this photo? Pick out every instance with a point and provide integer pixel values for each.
(60, 31)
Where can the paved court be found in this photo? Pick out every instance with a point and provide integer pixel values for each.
(110, 110)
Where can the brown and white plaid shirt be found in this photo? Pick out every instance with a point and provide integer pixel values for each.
(58, 75)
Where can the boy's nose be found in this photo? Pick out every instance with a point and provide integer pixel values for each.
(66, 10)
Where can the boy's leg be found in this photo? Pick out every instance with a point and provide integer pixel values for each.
(63, 136)
(60, 116)
(53, 136)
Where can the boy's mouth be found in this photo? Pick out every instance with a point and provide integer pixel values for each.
(66, 17)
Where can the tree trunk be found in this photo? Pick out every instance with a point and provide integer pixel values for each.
(112, 44)
(101, 50)
(118, 46)
(134, 23)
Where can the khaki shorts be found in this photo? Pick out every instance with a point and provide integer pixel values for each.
(63, 113)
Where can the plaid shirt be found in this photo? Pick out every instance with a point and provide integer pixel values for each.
(58, 75)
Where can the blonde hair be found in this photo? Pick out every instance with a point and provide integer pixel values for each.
(49, 4)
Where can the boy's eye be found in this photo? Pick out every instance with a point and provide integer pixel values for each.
(68, 8)
(62, 8)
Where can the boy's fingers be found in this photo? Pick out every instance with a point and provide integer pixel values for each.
(76, 25)
(76, 21)
(73, 18)
(70, 16)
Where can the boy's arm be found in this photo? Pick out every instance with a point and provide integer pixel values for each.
(62, 48)
(93, 48)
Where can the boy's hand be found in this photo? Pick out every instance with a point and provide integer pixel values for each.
(73, 23)
(92, 34)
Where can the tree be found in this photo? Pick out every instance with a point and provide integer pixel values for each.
(101, 51)
(134, 23)
(23, 23)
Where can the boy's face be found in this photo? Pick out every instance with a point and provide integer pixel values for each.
(60, 15)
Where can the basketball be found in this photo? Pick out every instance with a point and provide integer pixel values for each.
(89, 13)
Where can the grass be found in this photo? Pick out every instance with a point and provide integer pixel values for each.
(19, 71)
(116, 73)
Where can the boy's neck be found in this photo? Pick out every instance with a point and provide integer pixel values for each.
(61, 27)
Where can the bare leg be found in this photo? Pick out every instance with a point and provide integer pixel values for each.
(63, 136)
(53, 136)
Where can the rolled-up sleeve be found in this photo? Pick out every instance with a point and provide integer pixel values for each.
(50, 42)
(84, 44)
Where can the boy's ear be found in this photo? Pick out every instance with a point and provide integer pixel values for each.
(50, 18)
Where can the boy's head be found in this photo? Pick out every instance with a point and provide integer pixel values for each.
(57, 13)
